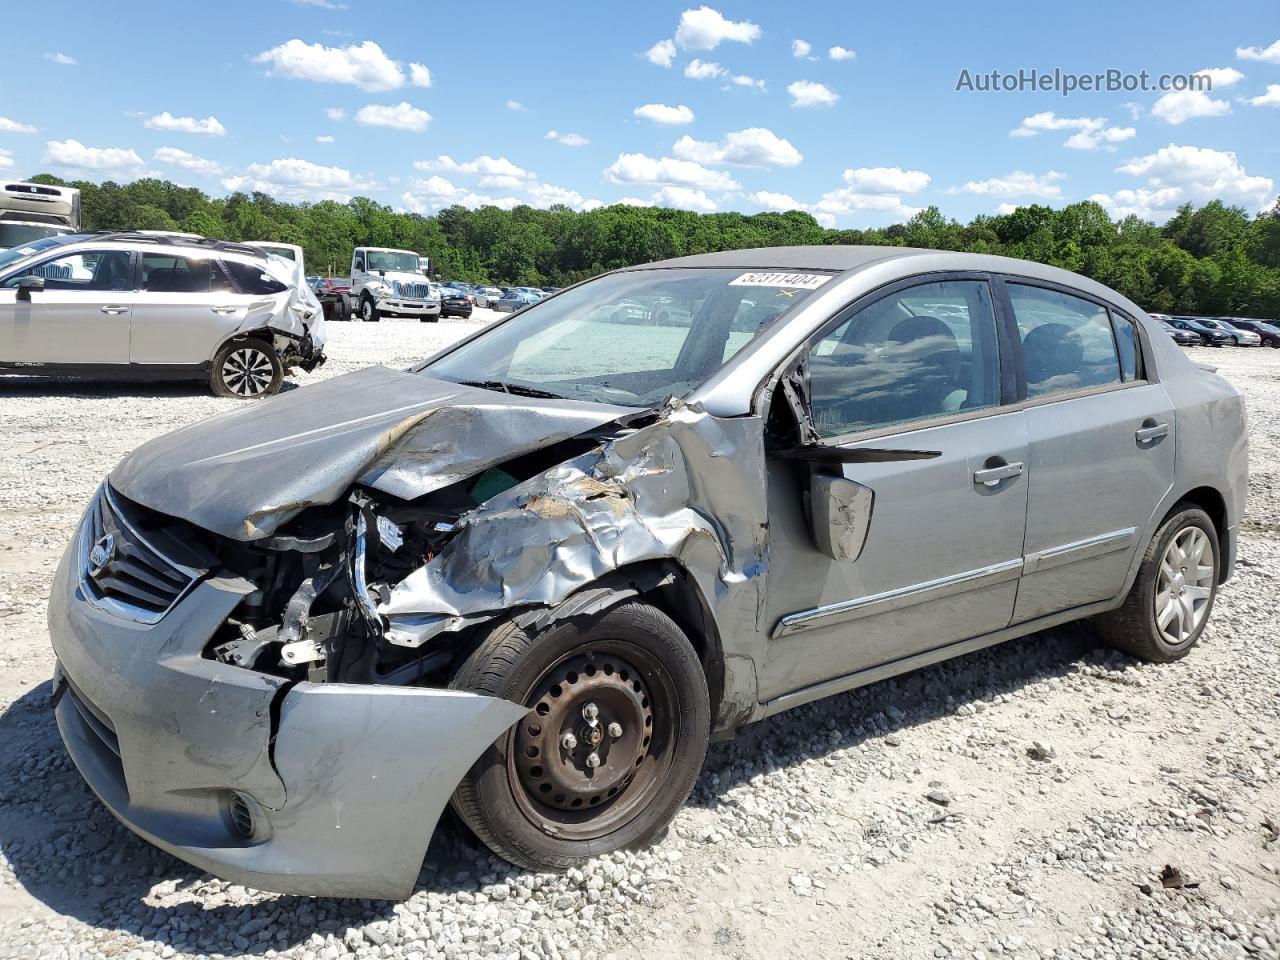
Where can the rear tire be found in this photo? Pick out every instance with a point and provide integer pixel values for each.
(1169, 604)
(246, 370)
(536, 796)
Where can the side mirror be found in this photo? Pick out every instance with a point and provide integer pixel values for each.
(29, 285)
(839, 516)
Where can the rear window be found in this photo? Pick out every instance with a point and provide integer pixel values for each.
(251, 278)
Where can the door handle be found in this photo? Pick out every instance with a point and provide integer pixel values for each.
(113, 309)
(993, 475)
(1147, 434)
(223, 310)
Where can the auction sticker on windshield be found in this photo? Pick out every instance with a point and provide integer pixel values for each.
(804, 281)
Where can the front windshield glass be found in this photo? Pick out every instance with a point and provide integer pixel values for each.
(632, 339)
(8, 257)
(393, 262)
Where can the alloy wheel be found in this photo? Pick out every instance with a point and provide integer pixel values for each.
(1184, 585)
(247, 372)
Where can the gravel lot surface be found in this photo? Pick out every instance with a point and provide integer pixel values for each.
(1019, 802)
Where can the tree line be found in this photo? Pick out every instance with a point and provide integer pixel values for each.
(1215, 260)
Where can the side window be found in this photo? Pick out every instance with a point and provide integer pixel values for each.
(251, 278)
(1127, 345)
(358, 264)
(98, 270)
(1067, 343)
(926, 351)
(166, 273)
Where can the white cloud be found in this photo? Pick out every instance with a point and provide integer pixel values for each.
(885, 180)
(662, 114)
(545, 195)
(6, 159)
(403, 116)
(482, 166)
(638, 168)
(800, 49)
(13, 126)
(324, 138)
(73, 153)
(1091, 132)
(684, 198)
(1018, 184)
(516, 106)
(635, 202)
(1200, 174)
(436, 193)
(1183, 105)
(336, 114)
(697, 69)
(1270, 55)
(806, 93)
(849, 200)
(295, 179)
(568, 139)
(361, 65)
(61, 58)
(188, 161)
(419, 75)
(752, 147)
(209, 126)
(705, 29)
(1004, 209)
(1269, 99)
(1221, 76)
(827, 220)
(321, 4)
(661, 53)
(742, 80)
(841, 53)
(768, 200)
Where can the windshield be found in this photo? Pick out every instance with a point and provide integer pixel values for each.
(632, 339)
(14, 234)
(9, 257)
(393, 262)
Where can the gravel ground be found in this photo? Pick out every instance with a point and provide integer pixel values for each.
(1022, 802)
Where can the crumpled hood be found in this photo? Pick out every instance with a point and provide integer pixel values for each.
(244, 474)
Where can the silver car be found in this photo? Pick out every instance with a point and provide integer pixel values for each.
(533, 574)
(156, 306)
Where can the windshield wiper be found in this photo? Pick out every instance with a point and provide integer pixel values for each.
(513, 388)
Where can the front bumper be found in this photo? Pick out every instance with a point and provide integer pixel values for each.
(343, 783)
(417, 308)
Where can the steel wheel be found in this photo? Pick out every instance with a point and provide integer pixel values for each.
(597, 744)
(248, 371)
(1184, 585)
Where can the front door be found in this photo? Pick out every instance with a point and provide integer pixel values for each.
(1102, 448)
(81, 317)
(917, 369)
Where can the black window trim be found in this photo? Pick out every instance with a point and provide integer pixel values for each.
(1007, 383)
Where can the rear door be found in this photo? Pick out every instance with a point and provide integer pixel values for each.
(81, 317)
(918, 369)
(185, 306)
(1101, 445)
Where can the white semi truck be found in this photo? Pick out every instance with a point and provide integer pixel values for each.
(392, 283)
(32, 211)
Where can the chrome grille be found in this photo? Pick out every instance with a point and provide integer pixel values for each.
(121, 572)
(411, 291)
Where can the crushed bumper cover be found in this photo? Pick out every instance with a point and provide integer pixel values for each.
(343, 783)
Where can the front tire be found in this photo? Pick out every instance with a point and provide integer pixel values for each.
(614, 740)
(246, 370)
(1172, 597)
(369, 310)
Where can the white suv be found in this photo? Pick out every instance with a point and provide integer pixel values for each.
(154, 307)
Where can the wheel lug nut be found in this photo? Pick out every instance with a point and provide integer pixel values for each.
(615, 730)
(590, 711)
(569, 741)
(593, 759)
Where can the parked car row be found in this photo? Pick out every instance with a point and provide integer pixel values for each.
(1220, 331)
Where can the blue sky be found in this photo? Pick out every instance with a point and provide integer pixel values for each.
(732, 106)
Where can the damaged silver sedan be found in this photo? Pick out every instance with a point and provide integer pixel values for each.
(533, 575)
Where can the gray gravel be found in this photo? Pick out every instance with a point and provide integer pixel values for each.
(1024, 801)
